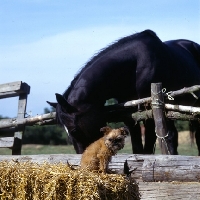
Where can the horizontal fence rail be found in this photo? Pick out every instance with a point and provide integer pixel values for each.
(173, 111)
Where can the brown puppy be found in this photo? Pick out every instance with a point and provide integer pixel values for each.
(98, 154)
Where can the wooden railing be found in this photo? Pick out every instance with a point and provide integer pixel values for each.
(11, 138)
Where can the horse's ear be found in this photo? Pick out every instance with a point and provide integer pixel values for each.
(52, 104)
(61, 100)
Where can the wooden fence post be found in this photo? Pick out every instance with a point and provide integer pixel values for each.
(17, 145)
(159, 117)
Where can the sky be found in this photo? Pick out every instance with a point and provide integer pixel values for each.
(46, 42)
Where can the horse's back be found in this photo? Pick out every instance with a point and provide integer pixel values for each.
(112, 72)
(126, 69)
(191, 48)
(185, 61)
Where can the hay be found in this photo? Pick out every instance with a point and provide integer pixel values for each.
(27, 181)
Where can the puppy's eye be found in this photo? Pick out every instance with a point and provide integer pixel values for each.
(110, 139)
(118, 140)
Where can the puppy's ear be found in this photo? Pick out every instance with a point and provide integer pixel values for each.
(124, 131)
(105, 130)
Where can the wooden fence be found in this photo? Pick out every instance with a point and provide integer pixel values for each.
(16, 126)
(12, 138)
(158, 176)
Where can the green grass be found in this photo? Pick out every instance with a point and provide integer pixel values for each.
(35, 149)
(184, 148)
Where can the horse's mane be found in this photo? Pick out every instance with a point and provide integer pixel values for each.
(103, 51)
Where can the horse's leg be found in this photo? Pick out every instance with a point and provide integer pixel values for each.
(197, 136)
(172, 138)
(136, 139)
(150, 136)
(195, 128)
(78, 147)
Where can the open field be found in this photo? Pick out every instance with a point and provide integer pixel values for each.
(185, 148)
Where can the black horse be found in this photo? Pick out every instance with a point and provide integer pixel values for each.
(125, 71)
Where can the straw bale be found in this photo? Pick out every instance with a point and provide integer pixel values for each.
(32, 181)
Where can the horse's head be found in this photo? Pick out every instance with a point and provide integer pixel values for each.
(83, 127)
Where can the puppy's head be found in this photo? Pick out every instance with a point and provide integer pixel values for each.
(114, 138)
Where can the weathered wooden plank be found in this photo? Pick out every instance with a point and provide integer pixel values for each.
(135, 162)
(170, 94)
(73, 159)
(16, 149)
(171, 170)
(169, 191)
(6, 142)
(181, 116)
(38, 119)
(137, 102)
(148, 114)
(185, 90)
(49, 118)
(183, 165)
(13, 89)
(189, 109)
(117, 162)
(9, 87)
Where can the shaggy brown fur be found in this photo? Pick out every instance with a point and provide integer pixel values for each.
(98, 154)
